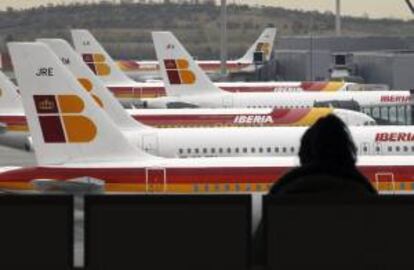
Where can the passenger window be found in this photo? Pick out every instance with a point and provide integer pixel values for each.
(180, 151)
(213, 150)
(253, 150)
(405, 149)
(244, 149)
(397, 149)
(284, 149)
(276, 149)
(377, 149)
(220, 150)
(365, 149)
(189, 150)
(196, 150)
(205, 150)
(236, 150)
(292, 149)
(260, 150)
(389, 148)
(229, 150)
(269, 149)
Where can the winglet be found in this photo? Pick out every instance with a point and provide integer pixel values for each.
(99, 61)
(65, 122)
(181, 75)
(92, 83)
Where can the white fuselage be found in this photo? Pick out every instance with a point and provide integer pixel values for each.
(254, 141)
(15, 130)
(265, 141)
(283, 100)
(150, 69)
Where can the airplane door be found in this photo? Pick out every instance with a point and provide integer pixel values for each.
(227, 101)
(150, 143)
(156, 180)
(384, 182)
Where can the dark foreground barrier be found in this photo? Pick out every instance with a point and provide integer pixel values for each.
(312, 233)
(168, 232)
(36, 232)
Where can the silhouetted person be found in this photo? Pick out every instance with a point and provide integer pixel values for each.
(328, 167)
(328, 163)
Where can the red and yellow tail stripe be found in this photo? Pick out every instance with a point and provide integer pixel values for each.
(278, 117)
(323, 86)
(64, 123)
(97, 63)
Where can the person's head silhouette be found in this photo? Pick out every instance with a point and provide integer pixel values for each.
(328, 142)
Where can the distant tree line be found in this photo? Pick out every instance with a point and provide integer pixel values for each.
(124, 26)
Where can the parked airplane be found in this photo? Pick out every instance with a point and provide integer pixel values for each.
(186, 118)
(128, 90)
(14, 131)
(188, 85)
(263, 47)
(78, 148)
(199, 142)
(199, 117)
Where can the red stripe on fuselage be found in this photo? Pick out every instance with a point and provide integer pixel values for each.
(137, 92)
(13, 119)
(151, 92)
(279, 117)
(216, 66)
(313, 86)
(202, 175)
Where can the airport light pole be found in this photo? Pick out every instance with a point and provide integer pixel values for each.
(338, 18)
(223, 38)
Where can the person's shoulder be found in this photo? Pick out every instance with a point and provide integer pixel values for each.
(319, 179)
(289, 177)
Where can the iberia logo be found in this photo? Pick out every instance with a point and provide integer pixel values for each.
(178, 72)
(97, 63)
(88, 86)
(61, 120)
(263, 47)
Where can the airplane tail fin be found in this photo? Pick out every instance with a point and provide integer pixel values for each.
(263, 44)
(9, 96)
(92, 84)
(98, 60)
(181, 74)
(65, 123)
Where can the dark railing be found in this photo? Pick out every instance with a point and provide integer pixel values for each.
(206, 232)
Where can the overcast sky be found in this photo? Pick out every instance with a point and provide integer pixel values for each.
(374, 8)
